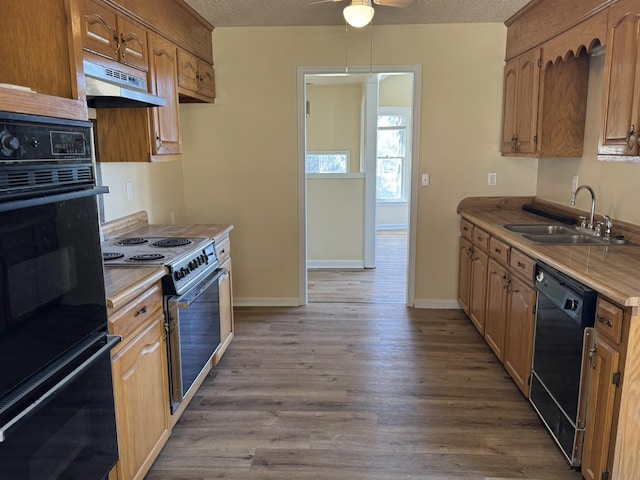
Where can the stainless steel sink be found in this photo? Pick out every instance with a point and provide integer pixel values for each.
(534, 229)
(565, 239)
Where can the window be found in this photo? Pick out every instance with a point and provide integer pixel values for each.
(392, 164)
(327, 162)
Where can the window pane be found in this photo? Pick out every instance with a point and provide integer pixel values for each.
(389, 179)
(391, 143)
(392, 121)
(327, 163)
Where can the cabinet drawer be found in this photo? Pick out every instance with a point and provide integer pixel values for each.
(466, 229)
(481, 238)
(132, 316)
(223, 249)
(522, 265)
(609, 320)
(499, 250)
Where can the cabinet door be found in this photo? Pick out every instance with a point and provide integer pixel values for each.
(187, 71)
(518, 346)
(520, 104)
(226, 302)
(99, 30)
(165, 130)
(509, 107)
(207, 80)
(464, 274)
(496, 311)
(603, 363)
(621, 86)
(141, 395)
(478, 289)
(132, 42)
(528, 85)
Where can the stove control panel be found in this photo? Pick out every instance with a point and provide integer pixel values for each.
(188, 269)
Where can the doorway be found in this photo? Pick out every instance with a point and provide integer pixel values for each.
(346, 204)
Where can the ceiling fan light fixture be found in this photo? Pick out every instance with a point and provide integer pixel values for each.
(359, 13)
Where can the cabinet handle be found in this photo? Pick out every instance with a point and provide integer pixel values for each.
(604, 321)
(631, 137)
(505, 281)
(592, 352)
(117, 40)
(141, 311)
(158, 142)
(130, 36)
(498, 251)
(521, 265)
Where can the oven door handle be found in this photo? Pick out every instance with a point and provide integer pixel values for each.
(112, 340)
(187, 299)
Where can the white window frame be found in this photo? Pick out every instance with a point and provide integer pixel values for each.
(329, 152)
(406, 162)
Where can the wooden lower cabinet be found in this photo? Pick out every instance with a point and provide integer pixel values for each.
(518, 347)
(140, 383)
(464, 274)
(603, 362)
(225, 293)
(496, 309)
(478, 288)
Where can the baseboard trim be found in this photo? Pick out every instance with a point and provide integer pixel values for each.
(265, 302)
(436, 304)
(319, 264)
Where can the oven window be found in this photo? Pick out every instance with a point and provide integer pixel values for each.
(51, 284)
(72, 435)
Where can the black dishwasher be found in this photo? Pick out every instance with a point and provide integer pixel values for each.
(565, 317)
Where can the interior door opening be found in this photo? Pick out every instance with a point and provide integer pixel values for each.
(356, 183)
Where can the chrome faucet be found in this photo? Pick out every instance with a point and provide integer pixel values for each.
(591, 225)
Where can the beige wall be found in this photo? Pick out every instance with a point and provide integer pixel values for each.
(396, 91)
(615, 184)
(240, 155)
(334, 123)
(157, 188)
(335, 222)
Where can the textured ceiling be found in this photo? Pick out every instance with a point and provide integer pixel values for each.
(241, 13)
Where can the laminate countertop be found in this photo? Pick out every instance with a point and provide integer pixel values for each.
(187, 230)
(611, 270)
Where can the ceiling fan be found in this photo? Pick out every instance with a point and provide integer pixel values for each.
(360, 12)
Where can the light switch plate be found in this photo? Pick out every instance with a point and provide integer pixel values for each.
(426, 180)
(492, 178)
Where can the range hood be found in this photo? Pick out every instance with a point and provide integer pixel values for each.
(111, 88)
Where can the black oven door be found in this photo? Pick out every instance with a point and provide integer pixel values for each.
(66, 429)
(51, 282)
(194, 333)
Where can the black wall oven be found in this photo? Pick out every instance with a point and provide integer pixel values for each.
(57, 418)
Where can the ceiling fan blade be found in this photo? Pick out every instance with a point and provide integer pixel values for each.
(396, 3)
(323, 1)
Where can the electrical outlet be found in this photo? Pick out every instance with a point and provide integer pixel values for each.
(574, 183)
(426, 180)
(492, 179)
(129, 190)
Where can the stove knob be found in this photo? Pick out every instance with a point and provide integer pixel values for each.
(35, 143)
(8, 143)
(571, 304)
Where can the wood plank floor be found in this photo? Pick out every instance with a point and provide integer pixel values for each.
(363, 391)
(387, 283)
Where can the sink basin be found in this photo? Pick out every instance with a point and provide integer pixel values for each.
(565, 239)
(534, 229)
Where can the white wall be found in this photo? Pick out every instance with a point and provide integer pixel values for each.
(240, 155)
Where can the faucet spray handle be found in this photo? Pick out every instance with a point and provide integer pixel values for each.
(583, 221)
(608, 225)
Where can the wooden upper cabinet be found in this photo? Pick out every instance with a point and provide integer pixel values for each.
(195, 78)
(621, 96)
(520, 104)
(39, 51)
(113, 36)
(164, 127)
